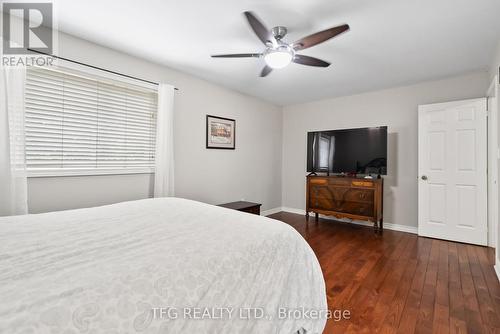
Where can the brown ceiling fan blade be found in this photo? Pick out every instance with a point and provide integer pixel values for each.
(238, 55)
(259, 28)
(265, 71)
(319, 37)
(310, 61)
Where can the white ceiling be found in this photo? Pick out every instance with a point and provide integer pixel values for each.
(391, 42)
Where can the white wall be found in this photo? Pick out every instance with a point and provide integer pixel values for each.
(61, 193)
(252, 171)
(495, 64)
(396, 108)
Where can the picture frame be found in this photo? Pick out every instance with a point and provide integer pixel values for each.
(220, 133)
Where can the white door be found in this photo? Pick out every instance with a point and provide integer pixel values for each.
(452, 165)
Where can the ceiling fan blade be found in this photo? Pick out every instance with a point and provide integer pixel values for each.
(238, 55)
(319, 37)
(265, 71)
(310, 61)
(259, 28)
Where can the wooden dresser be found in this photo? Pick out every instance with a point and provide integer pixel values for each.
(346, 197)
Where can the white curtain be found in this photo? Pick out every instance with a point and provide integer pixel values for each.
(13, 181)
(164, 158)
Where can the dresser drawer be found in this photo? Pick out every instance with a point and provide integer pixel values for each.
(360, 195)
(322, 203)
(318, 181)
(343, 194)
(362, 183)
(340, 182)
(321, 191)
(360, 209)
(353, 208)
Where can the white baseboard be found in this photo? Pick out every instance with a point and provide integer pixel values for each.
(389, 226)
(271, 211)
(497, 269)
(292, 210)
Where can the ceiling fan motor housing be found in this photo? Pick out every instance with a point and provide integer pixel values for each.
(279, 32)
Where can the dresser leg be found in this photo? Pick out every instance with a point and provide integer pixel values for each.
(381, 225)
(316, 215)
(307, 215)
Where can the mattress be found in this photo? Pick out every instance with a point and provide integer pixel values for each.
(165, 265)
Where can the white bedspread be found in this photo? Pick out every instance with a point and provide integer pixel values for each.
(147, 266)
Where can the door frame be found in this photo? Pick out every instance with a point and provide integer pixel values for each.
(493, 156)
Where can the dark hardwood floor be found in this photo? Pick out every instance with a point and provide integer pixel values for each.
(400, 283)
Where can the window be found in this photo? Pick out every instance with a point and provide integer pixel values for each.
(85, 124)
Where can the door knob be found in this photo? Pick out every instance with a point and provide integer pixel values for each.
(424, 177)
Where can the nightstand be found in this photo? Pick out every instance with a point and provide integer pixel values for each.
(248, 207)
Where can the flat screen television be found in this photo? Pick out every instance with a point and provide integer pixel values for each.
(360, 151)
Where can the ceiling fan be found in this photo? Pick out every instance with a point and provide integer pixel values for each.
(279, 54)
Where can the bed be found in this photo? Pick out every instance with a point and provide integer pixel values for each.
(165, 265)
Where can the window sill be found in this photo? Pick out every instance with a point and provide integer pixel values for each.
(87, 172)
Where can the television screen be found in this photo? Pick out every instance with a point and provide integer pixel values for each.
(361, 151)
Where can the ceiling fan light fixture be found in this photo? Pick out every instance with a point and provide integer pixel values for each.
(278, 53)
(279, 57)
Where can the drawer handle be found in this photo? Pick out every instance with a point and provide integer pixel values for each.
(362, 196)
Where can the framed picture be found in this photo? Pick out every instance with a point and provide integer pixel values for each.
(220, 132)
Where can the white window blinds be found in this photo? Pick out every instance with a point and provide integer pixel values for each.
(85, 123)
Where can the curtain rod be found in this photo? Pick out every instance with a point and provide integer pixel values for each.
(95, 67)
